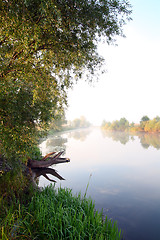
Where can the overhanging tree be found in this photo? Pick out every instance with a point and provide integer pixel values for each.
(44, 46)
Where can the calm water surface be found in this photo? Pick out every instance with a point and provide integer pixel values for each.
(123, 172)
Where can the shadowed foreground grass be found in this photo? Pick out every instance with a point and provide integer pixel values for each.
(57, 214)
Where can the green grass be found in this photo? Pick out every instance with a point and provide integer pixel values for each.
(57, 214)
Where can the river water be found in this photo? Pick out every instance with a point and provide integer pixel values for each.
(122, 172)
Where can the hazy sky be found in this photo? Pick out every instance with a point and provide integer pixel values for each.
(131, 86)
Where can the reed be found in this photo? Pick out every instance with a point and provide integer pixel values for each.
(58, 214)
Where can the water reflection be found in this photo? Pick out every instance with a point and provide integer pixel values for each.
(37, 172)
(53, 144)
(80, 134)
(122, 137)
(56, 143)
(125, 177)
(146, 139)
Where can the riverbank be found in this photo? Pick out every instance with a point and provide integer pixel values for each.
(55, 214)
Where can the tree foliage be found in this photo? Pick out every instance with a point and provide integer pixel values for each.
(145, 125)
(79, 123)
(121, 125)
(144, 118)
(44, 46)
(143, 121)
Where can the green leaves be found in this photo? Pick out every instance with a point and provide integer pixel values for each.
(44, 47)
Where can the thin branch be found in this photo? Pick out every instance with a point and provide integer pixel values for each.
(49, 154)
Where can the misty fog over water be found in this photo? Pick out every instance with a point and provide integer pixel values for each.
(123, 172)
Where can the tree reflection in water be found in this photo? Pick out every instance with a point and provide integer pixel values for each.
(80, 134)
(146, 139)
(149, 139)
(57, 142)
(122, 137)
(53, 144)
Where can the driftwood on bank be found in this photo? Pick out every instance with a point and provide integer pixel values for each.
(37, 168)
(41, 167)
(47, 161)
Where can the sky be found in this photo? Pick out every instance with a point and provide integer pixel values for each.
(131, 86)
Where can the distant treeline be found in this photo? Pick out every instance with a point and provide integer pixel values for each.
(63, 124)
(78, 123)
(145, 125)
